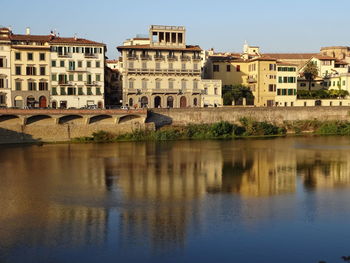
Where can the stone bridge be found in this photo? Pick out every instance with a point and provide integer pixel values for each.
(17, 125)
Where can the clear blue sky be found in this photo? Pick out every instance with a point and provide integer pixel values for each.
(274, 25)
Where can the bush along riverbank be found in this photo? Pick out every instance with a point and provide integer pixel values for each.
(224, 130)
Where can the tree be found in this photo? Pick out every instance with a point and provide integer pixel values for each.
(310, 72)
(236, 93)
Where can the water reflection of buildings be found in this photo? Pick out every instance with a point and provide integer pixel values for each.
(62, 190)
(39, 209)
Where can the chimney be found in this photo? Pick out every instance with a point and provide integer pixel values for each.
(28, 31)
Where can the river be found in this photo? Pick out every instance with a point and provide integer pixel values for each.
(250, 200)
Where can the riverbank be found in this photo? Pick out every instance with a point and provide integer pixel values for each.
(223, 130)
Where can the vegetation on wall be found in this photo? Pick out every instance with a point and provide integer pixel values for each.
(322, 94)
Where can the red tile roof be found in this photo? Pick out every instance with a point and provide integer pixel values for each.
(300, 56)
(321, 57)
(149, 47)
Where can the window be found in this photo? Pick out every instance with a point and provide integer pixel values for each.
(157, 66)
(205, 90)
(71, 91)
(195, 66)
(131, 84)
(54, 91)
(2, 62)
(144, 84)
(62, 63)
(29, 56)
(343, 82)
(89, 91)
(2, 83)
(18, 56)
(280, 80)
(31, 85)
(18, 85)
(63, 91)
(238, 68)
(216, 68)
(290, 92)
(53, 63)
(183, 66)
(80, 64)
(279, 92)
(171, 66)
(215, 91)
(158, 84)
(42, 56)
(228, 68)
(171, 84)
(131, 64)
(98, 91)
(31, 71)
(98, 64)
(54, 77)
(272, 87)
(43, 86)
(302, 84)
(144, 65)
(284, 92)
(71, 77)
(98, 77)
(183, 84)
(195, 84)
(80, 77)
(42, 70)
(272, 67)
(80, 91)
(88, 64)
(18, 70)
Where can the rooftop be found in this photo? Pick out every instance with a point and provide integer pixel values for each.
(149, 47)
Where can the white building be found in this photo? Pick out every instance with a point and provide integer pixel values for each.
(77, 72)
(5, 67)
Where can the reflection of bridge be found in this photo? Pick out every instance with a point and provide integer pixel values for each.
(53, 116)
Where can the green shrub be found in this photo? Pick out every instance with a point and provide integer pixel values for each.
(221, 129)
(102, 136)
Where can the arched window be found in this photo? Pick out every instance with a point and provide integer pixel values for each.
(144, 102)
(170, 102)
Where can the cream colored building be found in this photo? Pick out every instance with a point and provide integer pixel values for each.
(287, 77)
(77, 72)
(5, 68)
(162, 71)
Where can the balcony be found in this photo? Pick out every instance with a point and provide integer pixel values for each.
(172, 57)
(75, 69)
(145, 57)
(64, 83)
(132, 56)
(252, 79)
(159, 57)
(196, 58)
(185, 58)
(90, 55)
(91, 83)
(64, 55)
(163, 71)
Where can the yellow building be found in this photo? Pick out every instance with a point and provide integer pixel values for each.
(287, 77)
(30, 70)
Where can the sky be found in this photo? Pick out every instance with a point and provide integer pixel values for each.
(274, 25)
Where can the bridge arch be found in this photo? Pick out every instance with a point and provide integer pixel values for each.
(100, 118)
(9, 118)
(67, 118)
(37, 118)
(129, 118)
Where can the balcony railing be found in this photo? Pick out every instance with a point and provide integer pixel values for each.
(145, 57)
(251, 79)
(172, 57)
(132, 56)
(159, 57)
(196, 57)
(64, 55)
(90, 55)
(163, 71)
(185, 58)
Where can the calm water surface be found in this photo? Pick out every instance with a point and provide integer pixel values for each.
(274, 200)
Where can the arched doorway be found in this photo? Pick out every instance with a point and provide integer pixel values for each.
(144, 102)
(18, 102)
(99, 104)
(42, 102)
(170, 102)
(30, 102)
(54, 105)
(195, 102)
(131, 102)
(157, 102)
(183, 102)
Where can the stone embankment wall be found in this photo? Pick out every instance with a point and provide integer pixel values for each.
(276, 115)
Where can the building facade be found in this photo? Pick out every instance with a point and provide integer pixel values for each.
(163, 71)
(5, 67)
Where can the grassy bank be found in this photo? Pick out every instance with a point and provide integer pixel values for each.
(224, 130)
